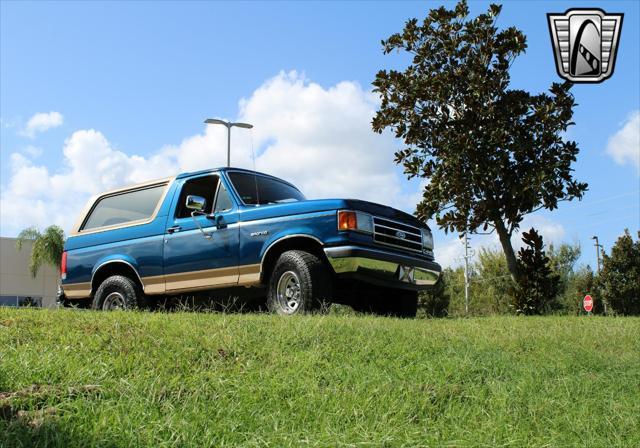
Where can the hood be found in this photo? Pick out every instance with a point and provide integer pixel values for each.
(319, 205)
(384, 211)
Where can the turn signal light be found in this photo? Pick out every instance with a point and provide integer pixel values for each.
(347, 220)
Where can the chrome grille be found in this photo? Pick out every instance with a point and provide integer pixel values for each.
(390, 233)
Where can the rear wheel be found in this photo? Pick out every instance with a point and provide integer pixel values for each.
(117, 293)
(299, 283)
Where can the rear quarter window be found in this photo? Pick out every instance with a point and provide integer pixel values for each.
(123, 208)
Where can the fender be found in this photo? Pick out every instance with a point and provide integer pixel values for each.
(116, 258)
(281, 238)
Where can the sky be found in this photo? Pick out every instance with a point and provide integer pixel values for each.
(94, 95)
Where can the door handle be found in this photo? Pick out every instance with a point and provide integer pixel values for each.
(174, 229)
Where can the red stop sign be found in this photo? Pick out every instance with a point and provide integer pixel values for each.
(587, 303)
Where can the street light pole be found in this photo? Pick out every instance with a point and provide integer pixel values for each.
(228, 125)
(598, 248)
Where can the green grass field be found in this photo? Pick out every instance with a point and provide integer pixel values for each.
(72, 378)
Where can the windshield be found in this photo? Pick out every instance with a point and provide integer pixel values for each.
(258, 190)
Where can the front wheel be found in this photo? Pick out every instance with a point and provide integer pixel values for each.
(299, 283)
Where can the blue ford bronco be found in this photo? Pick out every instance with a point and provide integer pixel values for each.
(234, 228)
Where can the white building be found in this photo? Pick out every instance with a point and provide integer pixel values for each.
(17, 286)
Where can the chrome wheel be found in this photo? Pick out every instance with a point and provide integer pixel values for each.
(288, 291)
(114, 301)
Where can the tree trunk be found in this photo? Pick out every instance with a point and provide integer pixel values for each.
(507, 248)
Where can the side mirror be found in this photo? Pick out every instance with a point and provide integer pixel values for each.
(196, 203)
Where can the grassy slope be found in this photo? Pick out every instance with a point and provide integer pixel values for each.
(217, 380)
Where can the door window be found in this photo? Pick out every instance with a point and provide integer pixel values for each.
(201, 186)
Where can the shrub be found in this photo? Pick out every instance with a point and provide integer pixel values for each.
(537, 285)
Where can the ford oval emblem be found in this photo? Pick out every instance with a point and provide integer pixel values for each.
(400, 234)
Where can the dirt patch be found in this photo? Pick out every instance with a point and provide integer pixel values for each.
(14, 406)
(7, 322)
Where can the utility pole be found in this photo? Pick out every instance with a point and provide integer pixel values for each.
(467, 254)
(599, 248)
(229, 125)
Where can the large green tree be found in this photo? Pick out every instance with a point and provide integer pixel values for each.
(47, 247)
(491, 154)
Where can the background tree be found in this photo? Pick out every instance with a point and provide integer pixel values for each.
(619, 280)
(453, 280)
(563, 258)
(581, 282)
(489, 288)
(47, 247)
(492, 285)
(491, 154)
(538, 285)
(562, 261)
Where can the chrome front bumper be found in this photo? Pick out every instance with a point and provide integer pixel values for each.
(383, 267)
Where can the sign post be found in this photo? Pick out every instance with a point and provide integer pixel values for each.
(587, 303)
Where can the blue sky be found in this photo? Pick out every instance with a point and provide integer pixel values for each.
(144, 75)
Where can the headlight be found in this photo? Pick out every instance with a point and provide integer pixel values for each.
(352, 220)
(427, 240)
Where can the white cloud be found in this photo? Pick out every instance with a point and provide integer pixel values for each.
(624, 145)
(318, 138)
(321, 140)
(551, 231)
(449, 253)
(33, 151)
(41, 122)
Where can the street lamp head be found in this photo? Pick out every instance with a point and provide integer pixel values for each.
(594, 237)
(228, 124)
(216, 121)
(242, 125)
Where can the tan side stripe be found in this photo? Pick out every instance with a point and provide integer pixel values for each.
(202, 279)
(208, 278)
(77, 290)
(154, 284)
(249, 274)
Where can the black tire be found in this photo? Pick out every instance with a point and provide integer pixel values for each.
(117, 292)
(296, 267)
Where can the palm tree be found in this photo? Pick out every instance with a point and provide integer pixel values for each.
(47, 246)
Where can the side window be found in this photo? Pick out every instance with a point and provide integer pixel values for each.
(124, 207)
(201, 186)
(223, 201)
